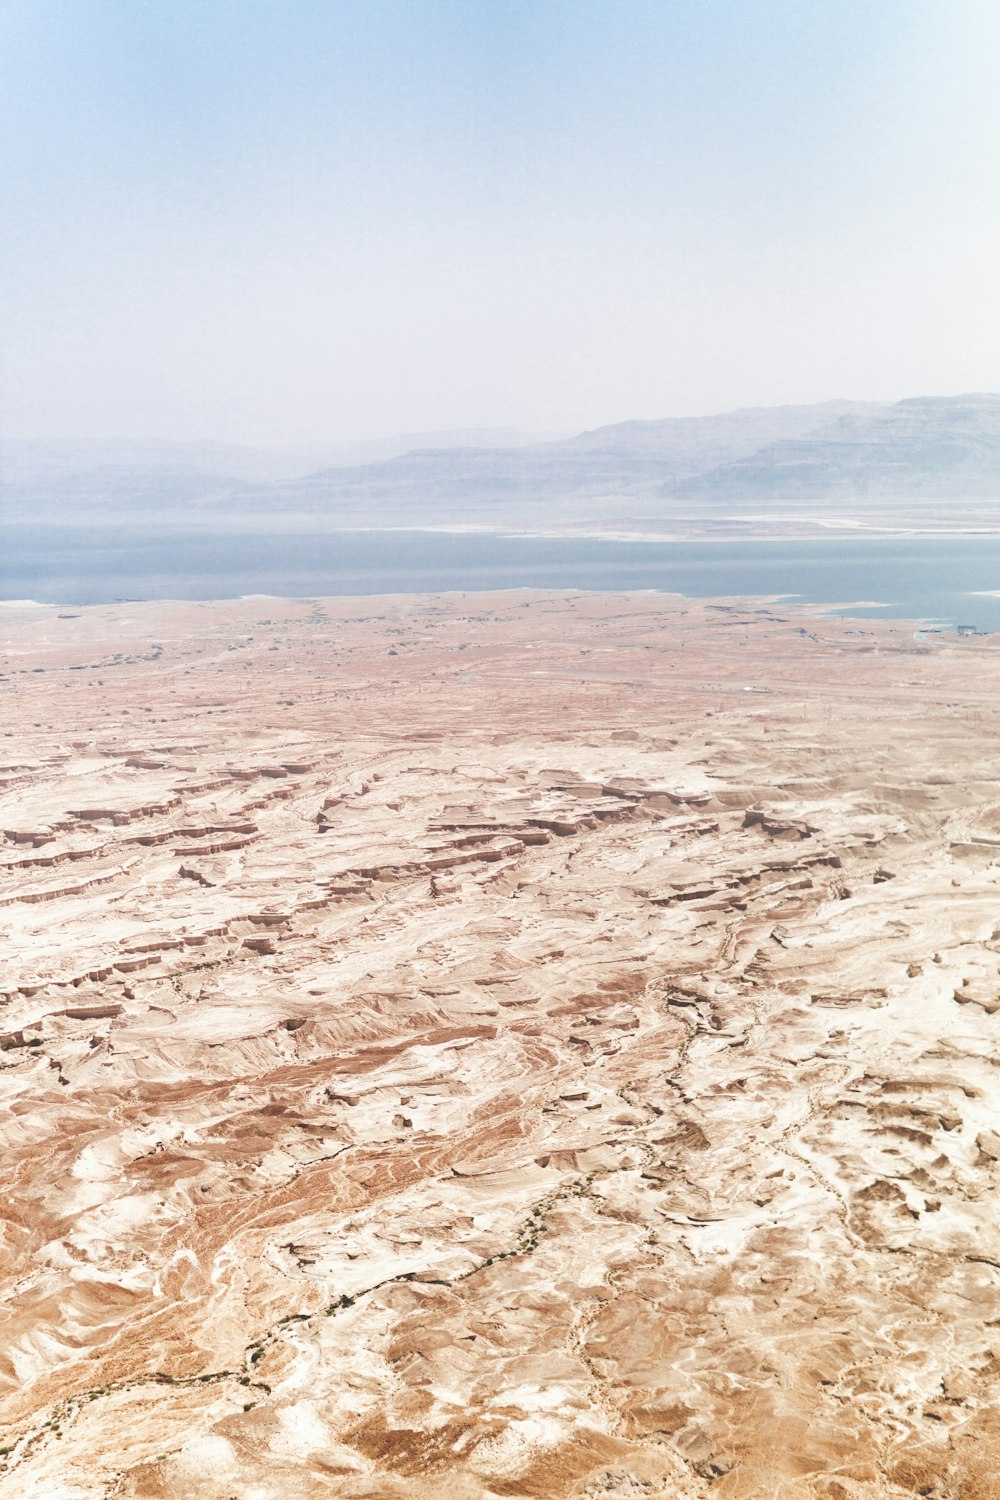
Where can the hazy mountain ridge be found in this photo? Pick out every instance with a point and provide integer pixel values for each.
(940, 447)
(697, 443)
(25, 460)
(923, 447)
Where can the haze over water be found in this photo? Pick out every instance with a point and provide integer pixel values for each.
(922, 578)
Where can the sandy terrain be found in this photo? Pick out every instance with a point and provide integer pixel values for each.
(518, 1045)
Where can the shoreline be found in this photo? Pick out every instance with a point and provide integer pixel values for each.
(895, 573)
(923, 629)
(840, 611)
(724, 527)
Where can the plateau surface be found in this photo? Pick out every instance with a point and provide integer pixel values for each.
(528, 1045)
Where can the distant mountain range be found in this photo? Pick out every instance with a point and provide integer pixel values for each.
(924, 448)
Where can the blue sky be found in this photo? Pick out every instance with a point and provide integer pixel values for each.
(330, 219)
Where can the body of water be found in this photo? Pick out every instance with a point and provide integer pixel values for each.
(936, 580)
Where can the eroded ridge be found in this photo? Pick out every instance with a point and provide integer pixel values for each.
(520, 1045)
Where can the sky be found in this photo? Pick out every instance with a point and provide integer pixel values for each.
(280, 221)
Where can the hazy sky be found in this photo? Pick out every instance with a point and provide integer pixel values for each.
(277, 220)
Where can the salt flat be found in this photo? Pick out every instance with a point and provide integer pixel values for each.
(523, 1044)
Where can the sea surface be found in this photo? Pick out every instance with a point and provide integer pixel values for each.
(933, 580)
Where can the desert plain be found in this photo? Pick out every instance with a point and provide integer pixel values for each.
(526, 1045)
